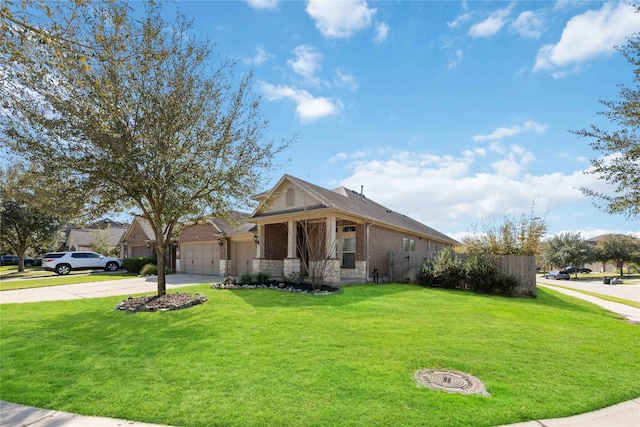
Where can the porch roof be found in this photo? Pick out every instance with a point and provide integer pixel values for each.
(353, 203)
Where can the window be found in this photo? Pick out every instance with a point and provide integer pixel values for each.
(409, 245)
(349, 229)
(290, 197)
(349, 253)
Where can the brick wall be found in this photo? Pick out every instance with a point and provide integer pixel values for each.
(199, 233)
(275, 240)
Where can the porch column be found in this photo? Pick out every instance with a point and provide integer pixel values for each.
(292, 240)
(331, 237)
(261, 243)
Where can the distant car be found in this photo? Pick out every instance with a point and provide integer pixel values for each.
(558, 275)
(584, 270)
(64, 262)
(13, 260)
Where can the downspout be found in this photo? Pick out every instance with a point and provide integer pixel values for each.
(367, 250)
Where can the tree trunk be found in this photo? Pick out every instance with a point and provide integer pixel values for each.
(20, 253)
(162, 276)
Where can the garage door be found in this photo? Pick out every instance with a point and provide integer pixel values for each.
(242, 255)
(200, 258)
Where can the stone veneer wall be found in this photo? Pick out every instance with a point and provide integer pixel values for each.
(272, 267)
(291, 265)
(332, 270)
(225, 265)
(358, 273)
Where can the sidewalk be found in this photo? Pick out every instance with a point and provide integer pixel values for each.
(625, 414)
(135, 285)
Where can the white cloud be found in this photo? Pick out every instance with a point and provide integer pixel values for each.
(260, 57)
(492, 24)
(346, 80)
(528, 24)
(507, 132)
(459, 20)
(588, 36)
(453, 192)
(382, 31)
(263, 4)
(306, 63)
(308, 108)
(340, 19)
(456, 60)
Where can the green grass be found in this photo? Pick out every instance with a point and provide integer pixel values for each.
(601, 296)
(266, 358)
(6, 285)
(11, 272)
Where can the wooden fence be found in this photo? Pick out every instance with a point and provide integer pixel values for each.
(403, 267)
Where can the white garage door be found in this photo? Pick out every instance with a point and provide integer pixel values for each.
(242, 255)
(200, 258)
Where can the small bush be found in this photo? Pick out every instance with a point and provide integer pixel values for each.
(481, 274)
(245, 278)
(229, 280)
(134, 265)
(505, 284)
(149, 270)
(262, 278)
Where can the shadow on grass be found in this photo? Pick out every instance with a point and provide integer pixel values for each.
(356, 293)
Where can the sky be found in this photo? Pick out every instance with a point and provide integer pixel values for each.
(450, 112)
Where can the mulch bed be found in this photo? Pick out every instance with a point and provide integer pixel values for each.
(177, 301)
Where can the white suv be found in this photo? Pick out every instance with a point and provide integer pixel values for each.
(64, 262)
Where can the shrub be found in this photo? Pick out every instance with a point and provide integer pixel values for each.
(448, 270)
(149, 270)
(481, 274)
(262, 278)
(245, 278)
(505, 284)
(134, 265)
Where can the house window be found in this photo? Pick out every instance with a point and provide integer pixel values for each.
(351, 228)
(409, 245)
(349, 253)
(290, 197)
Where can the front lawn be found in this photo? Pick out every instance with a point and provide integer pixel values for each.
(71, 279)
(266, 358)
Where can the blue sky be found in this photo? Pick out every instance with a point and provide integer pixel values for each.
(446, 111)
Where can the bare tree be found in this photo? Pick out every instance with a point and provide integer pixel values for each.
(315, 251)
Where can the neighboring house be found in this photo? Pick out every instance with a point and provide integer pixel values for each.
(217, 247)
(601, 266)
(139, 242)
(83, 239)
(357, 232)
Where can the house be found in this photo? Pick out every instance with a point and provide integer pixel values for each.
(139, 242)
(104, 231)
(218, 247)
(300, 226)
(603, 267)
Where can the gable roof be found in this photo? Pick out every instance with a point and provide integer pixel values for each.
(85, 238)
(350, 202)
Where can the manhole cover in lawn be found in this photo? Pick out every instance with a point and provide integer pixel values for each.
(450, 381)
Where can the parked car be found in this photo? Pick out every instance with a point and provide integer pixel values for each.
(64, 262)
(13, 260)
(558, 275)
(573, 269)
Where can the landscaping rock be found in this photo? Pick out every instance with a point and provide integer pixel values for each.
(166, 302)
(298, 288)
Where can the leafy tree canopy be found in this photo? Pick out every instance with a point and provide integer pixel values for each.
(568, 249)
(133, 109)
(619, 249)
(619, 163)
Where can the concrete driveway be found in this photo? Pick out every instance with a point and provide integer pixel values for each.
(135, 285)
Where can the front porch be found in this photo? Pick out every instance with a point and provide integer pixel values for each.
(327, 250)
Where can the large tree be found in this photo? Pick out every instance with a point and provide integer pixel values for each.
(568, 249)
(619, 148)
(27, 220)
(620, 249)
(134, 108)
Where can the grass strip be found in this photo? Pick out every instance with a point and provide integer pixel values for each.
(6, 285)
